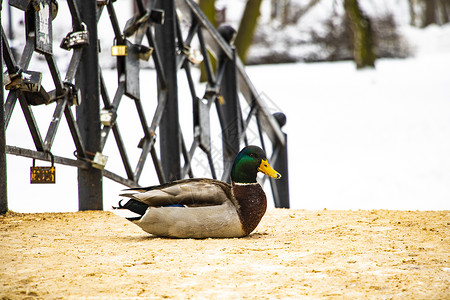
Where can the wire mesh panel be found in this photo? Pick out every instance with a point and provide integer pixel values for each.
(197, 133)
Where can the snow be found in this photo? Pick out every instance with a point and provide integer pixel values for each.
(370, 139)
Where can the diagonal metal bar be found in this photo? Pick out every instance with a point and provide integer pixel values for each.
(75, 13)
(260, 131)
(115, 23)
(186, 156)
(162, 100)
(119, 179)
(146, 147)
(23, 63)
(73, 65)
(151, 42)
(55, 73)
(187, 162)
(158, 165)
(142, 117)
(203, 20)
(7, 55)
(248, 90)
(111, 107)
(211, 165)
(245, 124)
(56, 120)
(31, 122)
(76, 136)
(182, 57)
(115, 129)
(206, 58)
(123, 153)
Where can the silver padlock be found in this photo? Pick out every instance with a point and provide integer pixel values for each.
(75, 39)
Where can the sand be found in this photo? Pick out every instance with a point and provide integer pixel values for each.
(293, 254)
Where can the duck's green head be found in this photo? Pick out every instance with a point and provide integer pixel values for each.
(248, 163)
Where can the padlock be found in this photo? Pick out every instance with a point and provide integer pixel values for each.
(43, 174)
(119, 50)
(37, 98)
(99, 161)
(73, 93)
(28, 81)
(106, 117)
(195, 56)
(75, 38)
(145, 52)
(134, 23)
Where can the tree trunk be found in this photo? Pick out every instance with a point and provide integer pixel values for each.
(430, 12)
(209, 9)
(444, 10)
(412, 13)
(247, 28)
(363, 42)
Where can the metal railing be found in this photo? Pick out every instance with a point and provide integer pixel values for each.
(169, 31)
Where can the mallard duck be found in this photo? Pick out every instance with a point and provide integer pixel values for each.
(203, 208)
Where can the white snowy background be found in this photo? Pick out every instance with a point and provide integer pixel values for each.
(370, 139)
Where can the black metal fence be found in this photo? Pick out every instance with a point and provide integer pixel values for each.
(165, 31)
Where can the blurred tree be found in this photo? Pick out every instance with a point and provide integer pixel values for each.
(297, 11)
(426, 12)
(412, 12)
(247, 28)
(279, 10)
(209, 9)
(430, 12)
(363, 41)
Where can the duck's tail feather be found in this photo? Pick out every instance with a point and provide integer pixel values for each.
(134, 206)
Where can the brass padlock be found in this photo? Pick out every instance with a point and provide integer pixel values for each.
(43, 174)
(145, 52)
(119, 50)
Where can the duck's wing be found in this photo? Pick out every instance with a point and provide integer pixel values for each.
(189, 192)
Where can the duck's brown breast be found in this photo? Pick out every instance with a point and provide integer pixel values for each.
(252, 204)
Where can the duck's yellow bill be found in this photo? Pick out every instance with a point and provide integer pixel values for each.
(265, 168)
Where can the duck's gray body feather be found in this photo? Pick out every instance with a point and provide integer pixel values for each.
(210, 209)
(193, 222)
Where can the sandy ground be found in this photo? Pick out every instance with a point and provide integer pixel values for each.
(292, 254)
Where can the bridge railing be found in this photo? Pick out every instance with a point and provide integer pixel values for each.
(178, 38)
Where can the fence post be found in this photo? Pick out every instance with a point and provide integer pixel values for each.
(3, 181)
(280, 187)
(90, 190)
(169, 127)
(231, 127)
